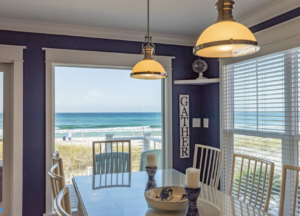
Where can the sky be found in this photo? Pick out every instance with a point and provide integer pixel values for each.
(104, 90)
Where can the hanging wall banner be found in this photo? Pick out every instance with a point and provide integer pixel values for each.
(184, 116)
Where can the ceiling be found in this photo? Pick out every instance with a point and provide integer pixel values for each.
(173, 17)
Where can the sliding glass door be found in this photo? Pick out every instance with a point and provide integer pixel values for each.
(96, 104)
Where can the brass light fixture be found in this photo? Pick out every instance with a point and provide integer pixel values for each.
(148, 68)
(226, 38)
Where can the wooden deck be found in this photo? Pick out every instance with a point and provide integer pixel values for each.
(73, 196)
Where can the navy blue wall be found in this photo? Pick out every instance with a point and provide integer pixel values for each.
(204, 101)
(276, 20)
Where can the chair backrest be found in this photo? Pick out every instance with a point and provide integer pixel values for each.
(62, 205)
(57, 160)
(283, 187)
(251, 180)
(143, 159)
(114, 161)
(210, 164)
(57, 181)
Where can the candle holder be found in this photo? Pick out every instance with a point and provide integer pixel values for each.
(192, 195)
(151, 183)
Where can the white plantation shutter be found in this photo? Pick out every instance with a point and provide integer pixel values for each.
(260, 116)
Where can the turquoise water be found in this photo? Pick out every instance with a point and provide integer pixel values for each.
(130, 124)
(98, 124)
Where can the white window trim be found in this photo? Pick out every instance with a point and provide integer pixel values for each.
(14, 56)
(60, 57)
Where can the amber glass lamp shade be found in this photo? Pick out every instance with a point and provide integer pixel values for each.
(226, 39)
(148, 69)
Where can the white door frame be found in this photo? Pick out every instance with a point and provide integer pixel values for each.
(62, 57)
(14, 56)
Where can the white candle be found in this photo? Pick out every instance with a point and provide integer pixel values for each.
(192, 178)
(151, 160)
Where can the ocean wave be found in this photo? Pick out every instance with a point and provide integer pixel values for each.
(83, 127)
(112, 129)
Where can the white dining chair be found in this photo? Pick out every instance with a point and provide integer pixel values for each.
(111, 158)
(57, 181)
(57, 160)
(212, 159)
(62, 205)
(283, 188)
(251, 180)
(114, 158)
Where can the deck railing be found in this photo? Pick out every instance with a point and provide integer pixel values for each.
(146, 138)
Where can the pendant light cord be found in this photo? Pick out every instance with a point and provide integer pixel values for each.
(148, 21)
(220, 4)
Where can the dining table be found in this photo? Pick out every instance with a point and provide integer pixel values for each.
(123, 195)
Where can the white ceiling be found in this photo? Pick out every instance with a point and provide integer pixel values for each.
(173, 17)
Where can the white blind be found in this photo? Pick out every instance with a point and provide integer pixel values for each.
(260, 115)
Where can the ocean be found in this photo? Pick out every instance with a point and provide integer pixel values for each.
(133, 124)
(98, 124)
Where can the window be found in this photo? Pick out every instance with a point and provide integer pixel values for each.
(260, 115)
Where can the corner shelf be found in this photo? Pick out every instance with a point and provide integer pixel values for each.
(197, 82)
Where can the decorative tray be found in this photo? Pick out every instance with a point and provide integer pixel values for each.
(167, 198)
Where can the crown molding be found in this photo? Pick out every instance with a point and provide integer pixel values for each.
(268, 12)
(92, 32)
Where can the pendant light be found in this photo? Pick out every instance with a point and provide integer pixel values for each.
(148, 68)
(226, 38)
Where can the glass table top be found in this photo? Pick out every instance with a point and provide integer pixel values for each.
(127, 198)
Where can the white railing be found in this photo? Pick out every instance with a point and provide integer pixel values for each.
(154, 139)
(146, 140)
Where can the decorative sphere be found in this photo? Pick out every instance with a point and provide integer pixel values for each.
(200, 66)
